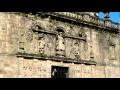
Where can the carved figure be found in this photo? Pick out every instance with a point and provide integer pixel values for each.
(41, 45)
(60, 42)
(76, 50)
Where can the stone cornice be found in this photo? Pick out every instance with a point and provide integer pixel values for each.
(94, 22)
(54, 58)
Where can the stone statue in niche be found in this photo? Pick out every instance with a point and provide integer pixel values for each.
(41, 44)
(49, 43)
(76, 50)
(60, 44)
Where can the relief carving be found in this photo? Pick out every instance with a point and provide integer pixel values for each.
(86, 17)
(47, 23)
(76, 50)
(29, 35)
(82, 34)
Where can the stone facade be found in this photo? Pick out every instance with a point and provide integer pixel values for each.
(30, 44)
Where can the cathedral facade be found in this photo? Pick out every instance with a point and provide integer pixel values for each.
(58, 45)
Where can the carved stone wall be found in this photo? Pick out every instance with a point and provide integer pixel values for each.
(36, 35)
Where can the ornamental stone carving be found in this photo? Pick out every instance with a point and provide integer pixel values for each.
(86, 17)
(82, 34)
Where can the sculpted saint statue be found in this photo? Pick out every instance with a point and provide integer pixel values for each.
(41, 45)
(76, 50)
(60, 42)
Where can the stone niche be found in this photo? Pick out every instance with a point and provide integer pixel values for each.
(60, 43)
